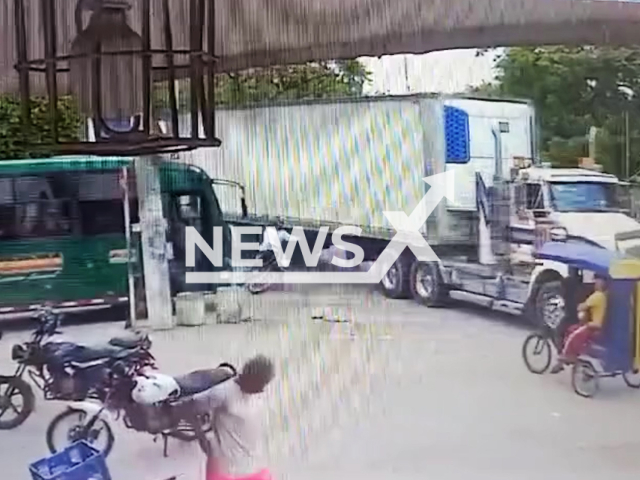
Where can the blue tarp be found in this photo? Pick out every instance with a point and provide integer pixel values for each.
(578, 255)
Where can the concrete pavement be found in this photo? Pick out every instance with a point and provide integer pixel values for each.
(417, 393)
(314, 361)
(457, 402)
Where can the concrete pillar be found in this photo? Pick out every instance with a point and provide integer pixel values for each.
(153, 234)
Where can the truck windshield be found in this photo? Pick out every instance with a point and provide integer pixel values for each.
(583, 196)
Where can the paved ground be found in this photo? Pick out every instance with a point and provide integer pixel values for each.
(417, 393)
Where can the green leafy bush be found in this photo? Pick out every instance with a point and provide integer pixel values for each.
(36, 141)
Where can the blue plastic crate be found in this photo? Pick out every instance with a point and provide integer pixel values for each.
(79, 461)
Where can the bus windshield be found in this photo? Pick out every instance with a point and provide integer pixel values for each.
(583, 196)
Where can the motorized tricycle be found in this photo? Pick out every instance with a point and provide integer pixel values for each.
(616, 350)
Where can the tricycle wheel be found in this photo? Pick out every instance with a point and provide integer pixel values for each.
(632, 378)
(584, 379)
(536, 353)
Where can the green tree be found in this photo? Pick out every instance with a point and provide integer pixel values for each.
(16, 142)
(308, 81)
(574, 89)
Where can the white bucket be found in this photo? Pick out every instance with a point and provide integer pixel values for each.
(233, 304)
(190, 309)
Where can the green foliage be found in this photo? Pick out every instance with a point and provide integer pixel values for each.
(313, 80)
(37, 141)
(309, 81)
(574, 89)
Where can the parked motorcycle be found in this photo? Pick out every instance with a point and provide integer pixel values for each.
(63, 370)
(269, 265)
(148, 402)
(269, 261)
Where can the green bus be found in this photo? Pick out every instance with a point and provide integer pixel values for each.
(63, 236)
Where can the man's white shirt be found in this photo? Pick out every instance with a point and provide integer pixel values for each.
(237, 427)
(268, 239)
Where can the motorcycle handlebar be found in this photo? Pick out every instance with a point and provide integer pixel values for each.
(48, 323)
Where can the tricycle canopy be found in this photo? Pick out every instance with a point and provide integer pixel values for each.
(590, 257)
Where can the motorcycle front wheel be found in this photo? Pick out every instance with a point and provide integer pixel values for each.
(17, 402)
(257, 288)
(260, 287)
(70, 426)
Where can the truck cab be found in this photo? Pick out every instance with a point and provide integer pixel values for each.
(576, 205)
(527, 207)
(573, 203)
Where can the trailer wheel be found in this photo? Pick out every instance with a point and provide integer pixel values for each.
(550, 307)
(427, 286)
(395, 283)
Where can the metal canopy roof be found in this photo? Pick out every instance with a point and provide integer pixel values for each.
(255, 33)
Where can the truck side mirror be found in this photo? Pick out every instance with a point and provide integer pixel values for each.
(624, 195)
(243, 206)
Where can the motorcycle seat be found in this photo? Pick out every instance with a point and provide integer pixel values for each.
(87, 354)
(202, 380)
(128, 340)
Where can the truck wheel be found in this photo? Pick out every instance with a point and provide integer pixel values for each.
(550, 305)
(395, 283)
(427, 286)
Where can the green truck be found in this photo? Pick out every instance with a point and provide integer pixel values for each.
(62, 229)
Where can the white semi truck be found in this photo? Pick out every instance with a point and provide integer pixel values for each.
(333, 163)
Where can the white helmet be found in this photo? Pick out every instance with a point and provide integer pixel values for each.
(154, 388)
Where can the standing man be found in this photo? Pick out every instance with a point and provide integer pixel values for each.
(235, 452)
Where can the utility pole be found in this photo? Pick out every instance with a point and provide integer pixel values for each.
(154, 242)
(627, 145)
(593, 133)
(406, 74)
(628, 95)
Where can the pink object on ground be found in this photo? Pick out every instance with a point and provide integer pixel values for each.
(261, 475)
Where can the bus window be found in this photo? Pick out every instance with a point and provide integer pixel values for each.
(100, 203)
(7, 222)
(6, 191)
(102, 218)
(185, 210)
(44, 206)
(189, 207)
(7, 210)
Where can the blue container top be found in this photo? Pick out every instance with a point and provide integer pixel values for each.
(68, 464)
